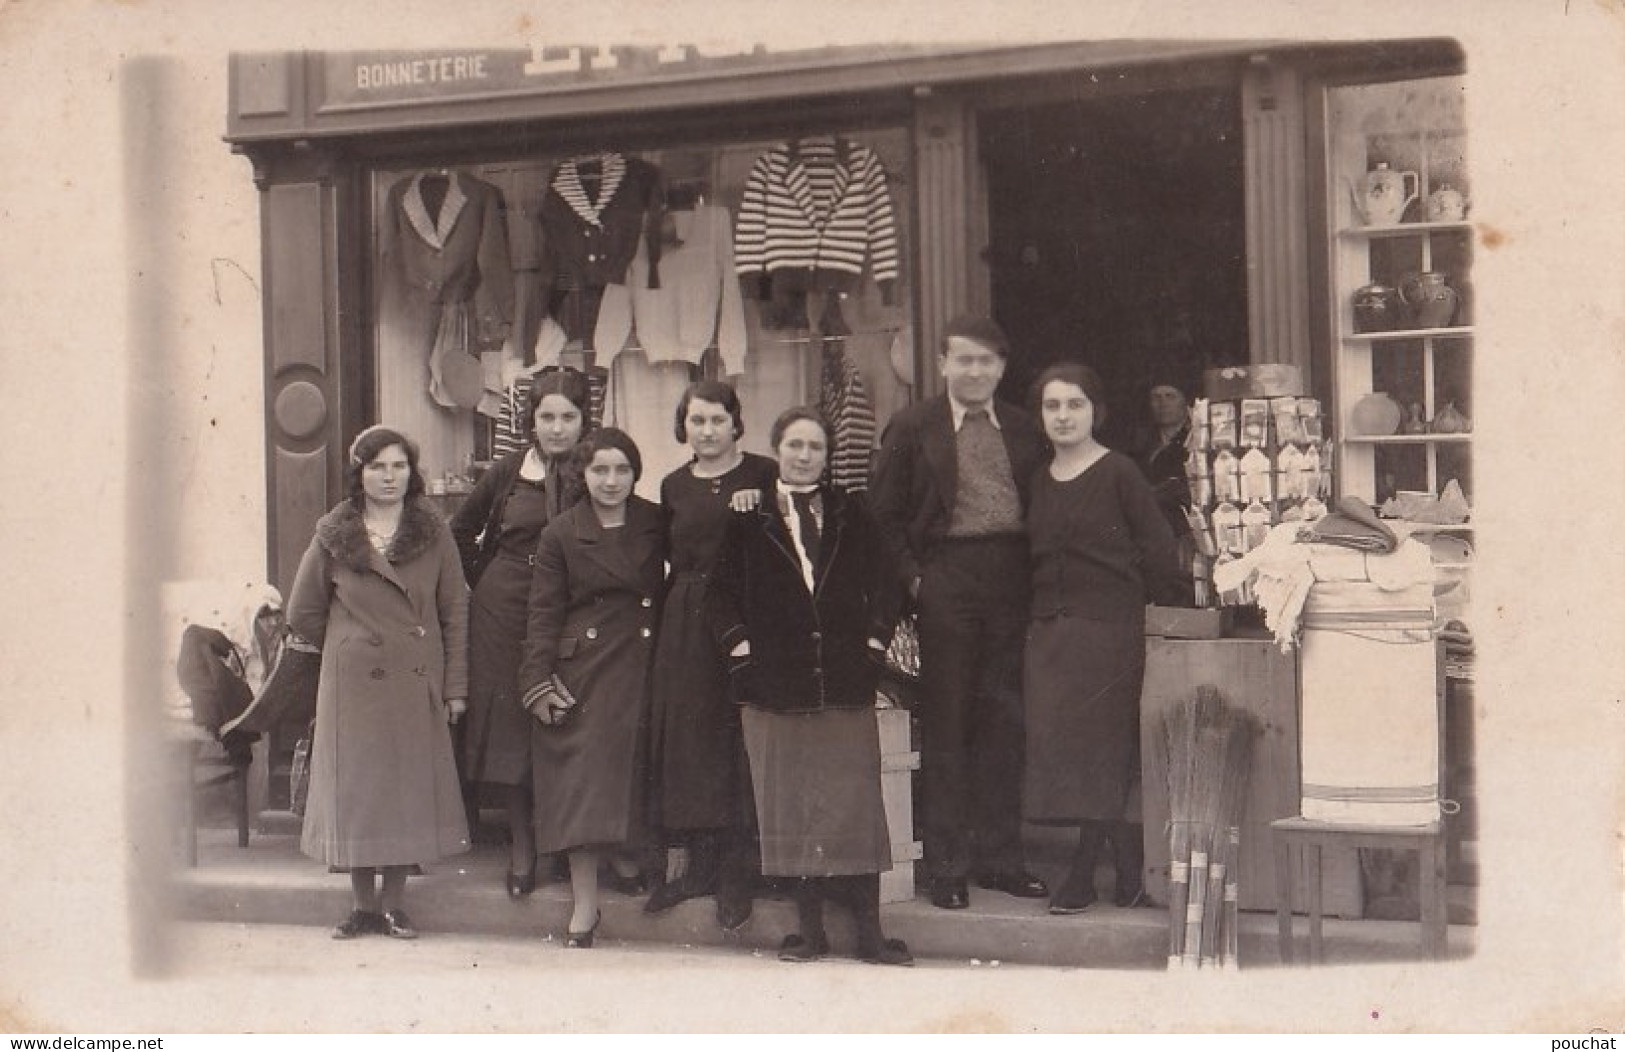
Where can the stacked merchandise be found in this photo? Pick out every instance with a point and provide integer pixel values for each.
(1257, 456)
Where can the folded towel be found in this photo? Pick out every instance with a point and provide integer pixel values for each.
(1354, 525)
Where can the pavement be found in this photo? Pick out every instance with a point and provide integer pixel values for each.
(271, 884)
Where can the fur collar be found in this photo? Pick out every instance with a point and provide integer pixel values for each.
(343, 533)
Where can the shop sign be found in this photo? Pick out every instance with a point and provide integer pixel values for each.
(363, 77)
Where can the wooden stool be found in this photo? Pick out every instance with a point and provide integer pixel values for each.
(1426, 840)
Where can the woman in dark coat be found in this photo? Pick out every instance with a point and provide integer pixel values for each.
(803, 603)
(589, 642)
(700, 787)
(380, 591)
(496, 530)
(1101, 550)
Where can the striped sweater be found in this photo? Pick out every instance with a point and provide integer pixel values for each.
(845, 404)
(819, 204)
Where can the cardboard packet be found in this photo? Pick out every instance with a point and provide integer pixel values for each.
(1222, 422)
(1255, 422)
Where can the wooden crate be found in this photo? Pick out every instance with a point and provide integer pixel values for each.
(1255, 675)
(898, 762)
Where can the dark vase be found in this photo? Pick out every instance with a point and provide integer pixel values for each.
(1377, 308)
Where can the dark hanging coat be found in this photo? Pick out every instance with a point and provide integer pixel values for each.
(593, 610)
(394, 639)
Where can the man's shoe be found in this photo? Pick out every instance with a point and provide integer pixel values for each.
(950, 893)
(1076, 894)
(1019, 883)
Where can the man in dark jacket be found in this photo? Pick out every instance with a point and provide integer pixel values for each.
(950, 488)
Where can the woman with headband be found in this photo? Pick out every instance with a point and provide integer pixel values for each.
(380, 591)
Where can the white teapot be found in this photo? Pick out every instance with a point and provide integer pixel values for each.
(1382, 195)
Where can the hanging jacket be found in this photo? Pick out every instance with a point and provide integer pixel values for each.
(818, 209)
(460, 255)
(587, 239)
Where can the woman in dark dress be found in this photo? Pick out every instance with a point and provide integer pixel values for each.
(701, 789)
(589, 642)
(803, 602)
(496, 531)
(1101, 550)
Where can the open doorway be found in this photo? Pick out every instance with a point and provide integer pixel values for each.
(1117, 237)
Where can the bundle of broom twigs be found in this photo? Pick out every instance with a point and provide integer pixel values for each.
(1207, 748)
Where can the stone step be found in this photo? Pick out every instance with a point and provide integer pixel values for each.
(270, 882)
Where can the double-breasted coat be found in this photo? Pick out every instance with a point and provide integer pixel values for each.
(594, 605)
(394, 639)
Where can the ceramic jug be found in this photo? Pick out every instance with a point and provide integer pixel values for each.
(1431, 302)
(1446, 205)
(1382, 195)
(1374, 415)
(1377, 308)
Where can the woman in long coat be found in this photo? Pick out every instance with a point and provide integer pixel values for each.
(1101, 550)
(588, 646)
(700, 788)
(381, 592)
(803, 603)
(496, 530)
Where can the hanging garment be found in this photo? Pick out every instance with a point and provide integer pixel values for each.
(453, 267)
(814, 212)
(845, 404)
(590, 221)
(697, 303)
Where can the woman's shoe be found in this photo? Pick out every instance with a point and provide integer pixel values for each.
(800, 950)
(522, 884)
(397, 925)
(582, 940)
(633, 886)
(889, 951)
(359, 922)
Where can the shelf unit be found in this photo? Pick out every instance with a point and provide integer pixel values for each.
(1412, 126)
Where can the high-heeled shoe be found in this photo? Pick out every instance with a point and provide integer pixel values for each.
(582, 940)
(522, 884)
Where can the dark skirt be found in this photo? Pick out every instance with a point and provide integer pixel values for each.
(1082, 690)
(816, 777)
(588, 773)
(696, 750)
(496, 731)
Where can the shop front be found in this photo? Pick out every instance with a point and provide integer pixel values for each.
(1161, 211)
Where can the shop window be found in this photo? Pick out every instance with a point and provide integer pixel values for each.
(471, 292)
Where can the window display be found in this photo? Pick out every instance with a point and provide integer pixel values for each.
(770, 264)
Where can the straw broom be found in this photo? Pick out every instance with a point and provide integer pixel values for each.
(1232, 799)
(1178, 743)
(1207, 776)
(1228, 955)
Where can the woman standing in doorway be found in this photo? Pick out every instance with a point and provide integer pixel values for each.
(496, 531)
(701, 788)
(380, 591)
(589, 642)
(1101, 550)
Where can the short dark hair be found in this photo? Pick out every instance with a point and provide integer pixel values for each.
(607, 438)
(790, 416)
(1080, 376)
(709, 391)
(979, 329)
(365, 449)
(559, 380)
